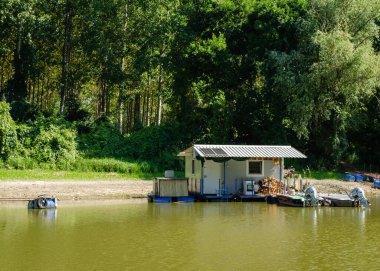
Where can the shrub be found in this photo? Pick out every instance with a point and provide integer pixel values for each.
(158, 144)
(102, 140)
(113, 165)
(8, 134)
(49, 141)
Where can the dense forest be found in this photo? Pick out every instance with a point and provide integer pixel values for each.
(143, 79)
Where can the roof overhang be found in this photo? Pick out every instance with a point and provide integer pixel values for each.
(242, 151)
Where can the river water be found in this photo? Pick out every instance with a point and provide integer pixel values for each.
(135, 235)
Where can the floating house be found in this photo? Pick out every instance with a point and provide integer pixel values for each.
(222, 171)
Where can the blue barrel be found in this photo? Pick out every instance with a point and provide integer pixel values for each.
(349, 177)
(376, 184)
(359, 177)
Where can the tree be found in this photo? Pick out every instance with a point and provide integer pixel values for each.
(331, 73)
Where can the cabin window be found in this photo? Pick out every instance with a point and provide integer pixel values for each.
(255, 168)
(192, 167)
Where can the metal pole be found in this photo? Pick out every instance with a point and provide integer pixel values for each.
(280, 163)
(202, 178)
(224, 177)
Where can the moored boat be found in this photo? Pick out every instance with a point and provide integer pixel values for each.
(354, 199)
(291, 200)
(338, 200)
(308, 198)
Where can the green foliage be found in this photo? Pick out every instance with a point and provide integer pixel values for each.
(334, 71)
(49, 141)
(8, 135)
(113, 165)
(20, 162)
(299, 72)
(323, 175)
(102, 140)
(159, 144)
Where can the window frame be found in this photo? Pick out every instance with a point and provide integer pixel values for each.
(255, 174)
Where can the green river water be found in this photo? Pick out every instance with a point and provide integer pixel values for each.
(135, 235)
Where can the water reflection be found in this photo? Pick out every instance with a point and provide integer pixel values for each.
(47, 216)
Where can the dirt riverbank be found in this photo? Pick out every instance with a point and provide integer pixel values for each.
(342, 187)
(101, 190)
(73, 190)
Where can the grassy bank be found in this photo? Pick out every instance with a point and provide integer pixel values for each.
(323, 175)
(81, 169)
(47, 174)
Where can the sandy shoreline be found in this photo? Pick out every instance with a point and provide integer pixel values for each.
(76, 190)
(103, 190)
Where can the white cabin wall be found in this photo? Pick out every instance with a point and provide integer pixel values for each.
(188, 166)
(198, 165)
(235, 170)
(212, 173)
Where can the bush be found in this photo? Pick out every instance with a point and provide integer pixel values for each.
(102, 140)
(49, 141)
(159, 144)
(8, 135)
(20, 162)
(113, 165)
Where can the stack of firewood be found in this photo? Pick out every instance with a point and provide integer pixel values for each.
(274, 186)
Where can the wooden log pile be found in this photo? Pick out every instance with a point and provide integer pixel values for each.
(274, 186)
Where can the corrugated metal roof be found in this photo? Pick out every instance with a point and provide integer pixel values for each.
(247, 151)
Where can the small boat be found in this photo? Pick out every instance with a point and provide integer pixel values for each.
(291, 200)
(43, 202)
(338, 200)
(356, 198)
(309, 198)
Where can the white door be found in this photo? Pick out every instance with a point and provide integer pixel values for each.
(212, 174)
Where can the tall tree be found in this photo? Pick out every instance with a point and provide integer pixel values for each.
(334, 70)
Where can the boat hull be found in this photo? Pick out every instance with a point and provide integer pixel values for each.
(339, 200)
(288, 200)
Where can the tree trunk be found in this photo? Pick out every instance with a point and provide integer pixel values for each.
(65, 56)
(120, 102)
(137, 113)
(159, 102)
(20, 76)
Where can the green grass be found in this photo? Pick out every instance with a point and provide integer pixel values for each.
(81, 169)
(48, 174)
(322, 175)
